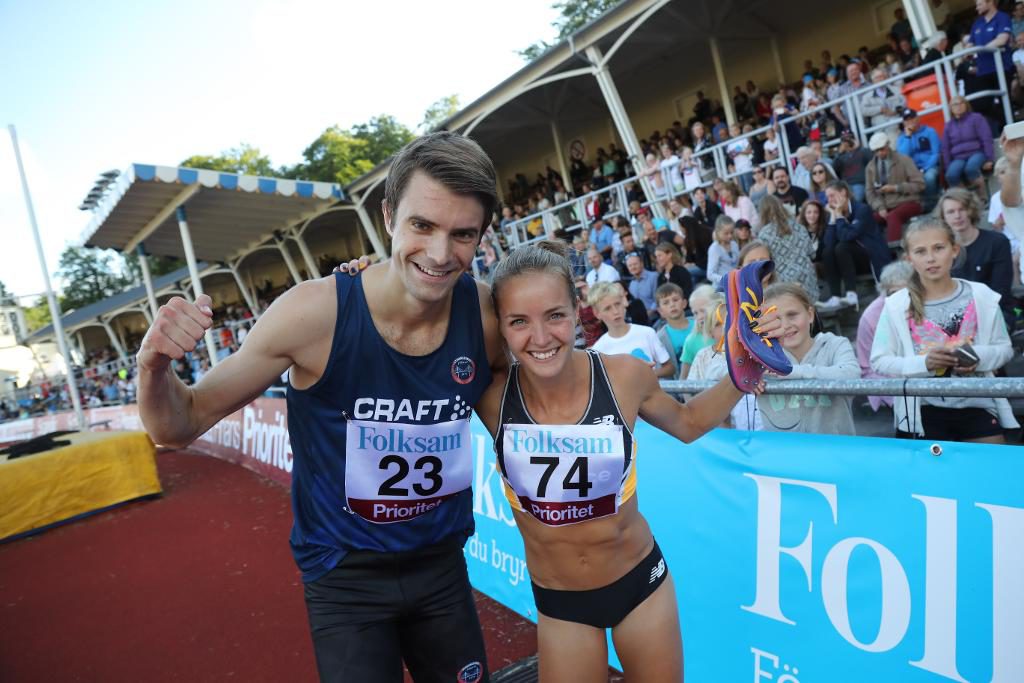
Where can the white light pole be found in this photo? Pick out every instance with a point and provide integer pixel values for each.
(58, 327)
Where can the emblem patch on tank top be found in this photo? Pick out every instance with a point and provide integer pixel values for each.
(471, 673)
(463, 369)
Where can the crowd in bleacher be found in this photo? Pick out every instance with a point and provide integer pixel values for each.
(833, 221)
(105, 378)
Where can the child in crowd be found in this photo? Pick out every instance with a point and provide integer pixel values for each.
(814, 356)
(771, 145)
(710, 364)
(696, 340)
(724, 253)
(756, 250)
(812, 218)
(672, 308)
(893, 278)
(690, 168)
(941, 325)
(609, 304)
(588, 327)
(742, 156)
(743, 233)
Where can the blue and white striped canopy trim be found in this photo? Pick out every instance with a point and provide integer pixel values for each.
(212, 179)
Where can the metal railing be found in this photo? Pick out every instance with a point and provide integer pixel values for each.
(951, 387)
(615, 194)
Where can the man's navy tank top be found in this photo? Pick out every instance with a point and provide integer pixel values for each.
(382, 453)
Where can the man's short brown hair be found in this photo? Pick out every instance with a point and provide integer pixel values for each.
(451, 159)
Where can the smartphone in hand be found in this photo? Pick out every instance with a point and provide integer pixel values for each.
(966, 356)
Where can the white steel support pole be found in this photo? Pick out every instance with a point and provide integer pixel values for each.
(115, 341)
(910, 7)
(622, 123)
(556, 137)
(246, 294)
(193, 271)
(922, 20)
(777, 58)
(307, 256)
(288, 260)
(723, 87)
(369, 228)
(147, 279)
(58, 325)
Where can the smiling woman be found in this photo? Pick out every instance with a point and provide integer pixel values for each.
(563, 426)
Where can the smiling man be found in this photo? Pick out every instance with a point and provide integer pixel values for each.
(384, 370)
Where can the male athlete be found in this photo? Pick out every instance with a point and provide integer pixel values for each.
(384, 370)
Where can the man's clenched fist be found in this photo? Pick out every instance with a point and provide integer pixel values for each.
(178, 327)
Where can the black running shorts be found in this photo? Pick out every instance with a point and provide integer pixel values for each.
(605, 607)
(375, 610)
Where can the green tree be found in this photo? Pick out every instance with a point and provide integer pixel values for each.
(244, 159)
(341, 156)
(439, 112)
(573, 15)
(38, 314)
(89, 275)
(336, 156)
(383, 136)
(5, 294)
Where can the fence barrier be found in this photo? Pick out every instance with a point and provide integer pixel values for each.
(952, 387)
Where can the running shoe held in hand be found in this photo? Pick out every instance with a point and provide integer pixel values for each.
(750, 339)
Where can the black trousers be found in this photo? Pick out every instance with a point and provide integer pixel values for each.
(375, 610)
(990, 107)
(842, 263)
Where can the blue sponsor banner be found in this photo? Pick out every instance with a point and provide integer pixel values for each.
(806, 558)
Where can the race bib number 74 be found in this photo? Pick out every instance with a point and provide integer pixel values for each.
(395, 472)
(564, 474)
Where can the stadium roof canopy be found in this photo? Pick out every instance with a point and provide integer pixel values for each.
(228, 213)
(639, 45)
(95, 314)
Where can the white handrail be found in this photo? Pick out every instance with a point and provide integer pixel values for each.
(516, 230)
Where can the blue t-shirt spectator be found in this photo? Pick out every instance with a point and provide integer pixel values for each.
(603, 238)
(984, 32)
(718, 131)
(922, 146)
(643, 288)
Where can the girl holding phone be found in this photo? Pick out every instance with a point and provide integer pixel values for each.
(940, 326)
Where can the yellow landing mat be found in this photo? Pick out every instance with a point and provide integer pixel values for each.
(97, 470)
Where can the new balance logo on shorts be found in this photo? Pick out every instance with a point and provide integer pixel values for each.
(658, 571)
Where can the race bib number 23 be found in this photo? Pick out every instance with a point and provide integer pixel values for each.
(395, 472)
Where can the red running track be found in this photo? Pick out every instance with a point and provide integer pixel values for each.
(197, 585)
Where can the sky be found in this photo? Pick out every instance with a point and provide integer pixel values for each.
(99, 85)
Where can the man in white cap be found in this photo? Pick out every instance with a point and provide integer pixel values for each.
(894, 186)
